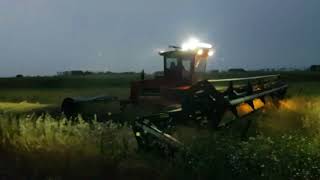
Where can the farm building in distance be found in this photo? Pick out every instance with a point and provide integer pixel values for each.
(315, 68)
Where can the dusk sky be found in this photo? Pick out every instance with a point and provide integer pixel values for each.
(42, 37)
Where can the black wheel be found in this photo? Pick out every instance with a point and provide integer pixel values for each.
(68, 108)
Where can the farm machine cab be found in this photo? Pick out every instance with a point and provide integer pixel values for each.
(182, 67)
(185, 64)
(181, 95)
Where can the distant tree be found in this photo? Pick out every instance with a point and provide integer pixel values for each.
(158, 74)
(236, 70)
(77, 73)
(283, 69)
(142, 75)
(315, 68)
(108, 72)
(127, 73)
(19, 76)
(88, 73)
(73, 73)
(214, 71)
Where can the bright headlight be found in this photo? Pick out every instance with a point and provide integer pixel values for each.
(211, 52)
(193, 44)
(200, 52)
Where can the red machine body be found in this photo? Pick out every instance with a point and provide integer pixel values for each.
(181, 70)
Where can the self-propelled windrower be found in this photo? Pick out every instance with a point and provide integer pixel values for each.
(180, 94)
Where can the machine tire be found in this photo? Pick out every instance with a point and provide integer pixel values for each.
(68, 107)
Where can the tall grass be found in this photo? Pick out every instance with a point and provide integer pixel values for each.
(44, 145)
(6, 107)
(284, 143)
(44, 133)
